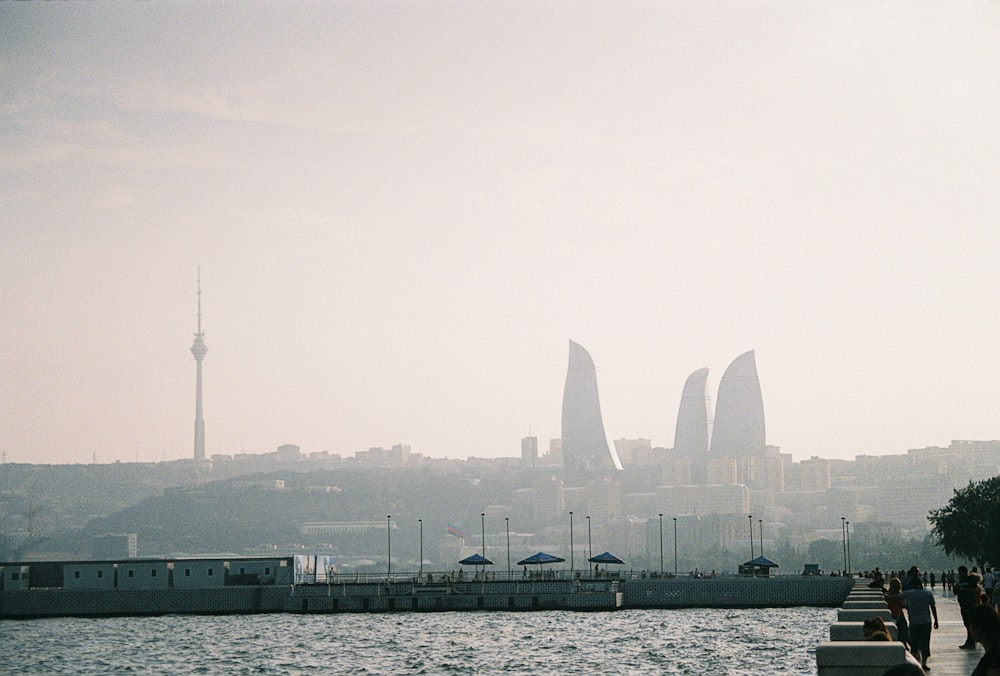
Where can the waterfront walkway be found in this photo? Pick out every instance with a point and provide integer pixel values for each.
(947, 659)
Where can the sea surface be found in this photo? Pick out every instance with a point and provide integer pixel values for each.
(690, 641)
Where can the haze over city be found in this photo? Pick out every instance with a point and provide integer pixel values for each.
(403, 212)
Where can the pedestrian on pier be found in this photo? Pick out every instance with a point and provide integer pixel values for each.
(920, 605)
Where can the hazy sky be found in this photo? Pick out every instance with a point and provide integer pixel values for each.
(403, 211)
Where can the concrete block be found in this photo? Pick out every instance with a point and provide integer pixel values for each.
(862, 614)
(873, 603)
(857, 658)
(854, 631)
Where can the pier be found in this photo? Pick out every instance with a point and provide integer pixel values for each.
(848, 653)
(272, 585)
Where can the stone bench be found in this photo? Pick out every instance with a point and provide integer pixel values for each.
(862, 614)
(865, 604)
(854, 631)
(858, 658)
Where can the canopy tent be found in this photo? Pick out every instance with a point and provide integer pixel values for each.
(475, 560)
(606, 558)
(540, 559)
(762, 562)
(758, 566)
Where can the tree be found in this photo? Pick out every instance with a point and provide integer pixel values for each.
(969, 525)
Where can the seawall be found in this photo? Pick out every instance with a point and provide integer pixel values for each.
(737, 592)
(578, 594)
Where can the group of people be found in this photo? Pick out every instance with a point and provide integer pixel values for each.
(949, 580)
(914, 612)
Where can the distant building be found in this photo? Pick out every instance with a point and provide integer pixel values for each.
(691, 436)
(114, 546)
(393, 457)
(630, 449)
(529, 451)
(738, 428)
(815, 474)
(702, 500)
(584, 441)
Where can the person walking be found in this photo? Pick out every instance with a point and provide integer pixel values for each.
(921, 608)
(967, 593)
(896, 610)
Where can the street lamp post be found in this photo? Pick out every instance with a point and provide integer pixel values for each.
(661, 544)
(848, 540)
(388, 545)
(571, 568)
(753, 571)
(675, 546)
(482, 526)
(506, 522)
(590, 551)
(843, 537)
(760, 523)
(421, 522)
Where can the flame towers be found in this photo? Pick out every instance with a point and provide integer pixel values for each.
(693, 419)
(199, 350)
(738, 429)
(584, 441)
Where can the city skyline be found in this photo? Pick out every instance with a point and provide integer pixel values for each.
(402, 212)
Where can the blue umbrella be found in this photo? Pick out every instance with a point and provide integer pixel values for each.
(475, 560)
(540, 558)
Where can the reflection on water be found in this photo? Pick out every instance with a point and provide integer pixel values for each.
(691, 641)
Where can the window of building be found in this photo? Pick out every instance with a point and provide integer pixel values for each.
(267, 571)
(152, 573)
(15, 576)
(187, 572)
(131, 573)
(211, 571)
(100, 574)
(76, 575)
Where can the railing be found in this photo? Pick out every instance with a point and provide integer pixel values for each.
(489, 574)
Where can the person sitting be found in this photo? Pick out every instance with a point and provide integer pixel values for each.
(874, 629)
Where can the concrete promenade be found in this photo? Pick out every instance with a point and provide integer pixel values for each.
(847, 654)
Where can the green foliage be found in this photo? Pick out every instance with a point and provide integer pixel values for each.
(969, 525)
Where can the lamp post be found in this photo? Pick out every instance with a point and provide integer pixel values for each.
(675, 546)
(388, 545)
(760, 523)
(848, 540)
(661, 544)
(752, 569)
(421, 522)
(843, 537)
(571, 568)
(482, 526)
(506, 523)
(590, 551)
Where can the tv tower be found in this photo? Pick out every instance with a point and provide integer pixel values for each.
(199, 349)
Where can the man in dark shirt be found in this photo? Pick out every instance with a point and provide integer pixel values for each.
(967, 593)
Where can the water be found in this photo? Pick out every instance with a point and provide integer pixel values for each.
(691, 641)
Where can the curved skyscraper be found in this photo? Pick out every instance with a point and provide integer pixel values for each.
(692, 431)
(738, 429)
(584, 441)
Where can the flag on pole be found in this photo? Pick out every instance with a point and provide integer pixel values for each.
(456, 531)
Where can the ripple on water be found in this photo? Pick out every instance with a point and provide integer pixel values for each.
(689, 641)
